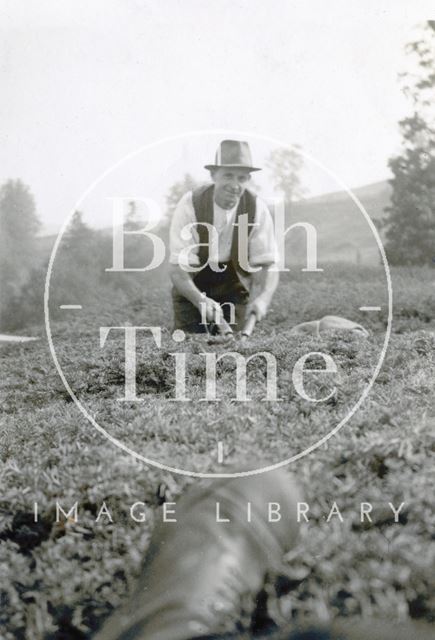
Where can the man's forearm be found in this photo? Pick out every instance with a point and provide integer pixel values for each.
(266, 284)
(185, 286)
(263, 287)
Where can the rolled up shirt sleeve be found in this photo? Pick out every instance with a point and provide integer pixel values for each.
(183, 234)
(263, 249)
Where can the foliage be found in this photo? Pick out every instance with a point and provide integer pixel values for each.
(175, 193)
(285, 165)
(78, 263)
(61, 580)
(132, 221)
(79, 273)
(178, 190)
(18, 227)
(410, 220)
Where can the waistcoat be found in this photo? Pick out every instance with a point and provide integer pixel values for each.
(203, 200)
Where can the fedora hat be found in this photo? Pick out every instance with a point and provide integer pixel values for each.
(233, 153)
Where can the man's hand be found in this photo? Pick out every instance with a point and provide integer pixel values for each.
(211, 308)
(264, 285)
(185, 286)
(258, 307)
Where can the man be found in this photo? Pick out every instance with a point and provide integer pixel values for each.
(221, 264)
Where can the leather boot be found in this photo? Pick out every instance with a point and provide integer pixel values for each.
(197, 568)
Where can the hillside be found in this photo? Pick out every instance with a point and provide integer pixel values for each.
(375, 196)
(342, 230)
(343, 233)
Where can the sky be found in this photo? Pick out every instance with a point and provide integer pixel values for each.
(86, 83)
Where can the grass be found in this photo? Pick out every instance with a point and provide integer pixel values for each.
(61, 580)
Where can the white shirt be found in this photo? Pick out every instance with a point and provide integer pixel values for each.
(262, 247)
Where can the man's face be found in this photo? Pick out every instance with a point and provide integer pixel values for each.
(229, 185)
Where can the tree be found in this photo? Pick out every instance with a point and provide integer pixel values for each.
(19, 225)
(285, 165)
(175, 192)
(410, 219)
(78, 267)
(131, 220)
(79, 239)
(178, 190)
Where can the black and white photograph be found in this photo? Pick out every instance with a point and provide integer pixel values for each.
(217, 320)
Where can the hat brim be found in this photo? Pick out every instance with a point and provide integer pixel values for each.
(231, 166)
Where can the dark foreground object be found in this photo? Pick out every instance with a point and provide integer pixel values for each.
(197, 568)
(342, 630)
